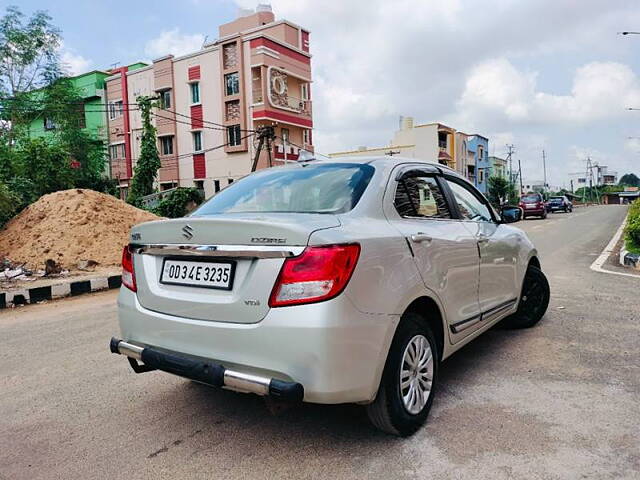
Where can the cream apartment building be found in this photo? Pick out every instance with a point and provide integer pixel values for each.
(430, 141)
(258, 72)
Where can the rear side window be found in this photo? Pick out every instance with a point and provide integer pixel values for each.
(319, 188)
(420, 197)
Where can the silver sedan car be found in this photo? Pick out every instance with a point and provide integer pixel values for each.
(347, 280)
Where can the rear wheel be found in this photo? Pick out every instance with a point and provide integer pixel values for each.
(406, 390)
(534, 300)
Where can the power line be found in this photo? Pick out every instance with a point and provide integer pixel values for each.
(301, 148)
(41, 104)
(185, 155)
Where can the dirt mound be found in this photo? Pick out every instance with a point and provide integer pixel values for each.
(70, 226)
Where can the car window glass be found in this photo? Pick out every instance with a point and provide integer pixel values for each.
(470, 207)
(420, 197)
(308, 188)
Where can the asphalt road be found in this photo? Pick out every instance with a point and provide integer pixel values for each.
(557, 401)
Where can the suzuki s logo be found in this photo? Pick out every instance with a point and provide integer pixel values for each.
(187, 232)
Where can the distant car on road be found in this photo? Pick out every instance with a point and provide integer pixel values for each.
(556, 204)
(533, 205)
(346, 280)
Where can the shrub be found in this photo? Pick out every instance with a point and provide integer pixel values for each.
(9, 203)
(177, 203)
(632, 230)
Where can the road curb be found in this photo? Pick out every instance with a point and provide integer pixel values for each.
(596, 266)
(68, 288)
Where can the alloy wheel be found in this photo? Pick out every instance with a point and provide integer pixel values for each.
(416, 374)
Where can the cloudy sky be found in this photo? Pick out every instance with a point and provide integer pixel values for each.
(541, 74)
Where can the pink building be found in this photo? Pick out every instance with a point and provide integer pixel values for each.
(257, 73)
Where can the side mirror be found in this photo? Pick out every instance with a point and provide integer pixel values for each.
(510, 214)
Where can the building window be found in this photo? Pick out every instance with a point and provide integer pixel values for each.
(195, 92)
(197, 141)
(165, 99)
(232, 83)
(306, 136)
(49, 124)
(480, 175)
(230, 181)
(233, 135)
(304, 91)
(116, 151)
(115, 110)
(216, 186)
(442, 139)
(199, 184)
(166, 145)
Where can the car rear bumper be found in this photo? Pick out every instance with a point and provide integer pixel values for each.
(334, 351)
(533, 211)
(205, 371)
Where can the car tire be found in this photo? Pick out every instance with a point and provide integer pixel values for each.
(534, 300)
(389, 411)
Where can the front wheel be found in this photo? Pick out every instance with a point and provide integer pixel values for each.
(407, 387)
(534, 300)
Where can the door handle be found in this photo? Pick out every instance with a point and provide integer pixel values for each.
(420, 237)
(483, 239)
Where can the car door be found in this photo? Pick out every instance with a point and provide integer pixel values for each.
(498, 246)
(444, 250)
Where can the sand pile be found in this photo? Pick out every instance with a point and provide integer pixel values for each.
(70, 226)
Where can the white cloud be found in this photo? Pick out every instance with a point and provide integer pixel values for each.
(72, 62)
(173, 42)
(506, 69)
(496, 91)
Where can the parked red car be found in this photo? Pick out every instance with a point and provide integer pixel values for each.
(532, 205)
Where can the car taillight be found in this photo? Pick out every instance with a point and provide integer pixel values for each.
(128, 273)
(318, 274)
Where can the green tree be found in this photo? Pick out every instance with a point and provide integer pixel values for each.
(176, 204)
(500, 190)
(9, 203)
(44, 166)
(63, 103)
(28, 60)
(629, 180)
(148, 164)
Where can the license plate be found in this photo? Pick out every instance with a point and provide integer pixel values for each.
(198, 273)
(530, 206)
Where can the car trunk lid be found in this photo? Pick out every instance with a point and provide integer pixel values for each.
(255, 245)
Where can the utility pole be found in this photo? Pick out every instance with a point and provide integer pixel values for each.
(544, 170)
(520, 177)
(509, 158)
(266, 134)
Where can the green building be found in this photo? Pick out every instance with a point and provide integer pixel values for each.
(498, 168)
(91, 87)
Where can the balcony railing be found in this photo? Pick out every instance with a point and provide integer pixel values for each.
(302, 107)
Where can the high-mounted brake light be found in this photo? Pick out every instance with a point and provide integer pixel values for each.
(318, 274)
(128, 273)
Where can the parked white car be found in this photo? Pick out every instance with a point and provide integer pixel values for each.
(347, 280)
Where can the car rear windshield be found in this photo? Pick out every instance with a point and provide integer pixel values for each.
(319, 188)
(531, 198)
(556, 199)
